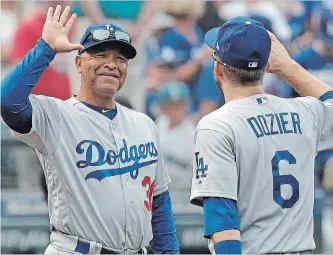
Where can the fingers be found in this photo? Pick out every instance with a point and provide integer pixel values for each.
(56, 14)
(267, 67)
(64, 15)
(272, 36)
(70, 22)
(77, 47)
(49, 14)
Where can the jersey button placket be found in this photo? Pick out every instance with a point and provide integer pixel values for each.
(119, 144)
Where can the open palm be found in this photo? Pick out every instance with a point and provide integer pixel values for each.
(55, 31)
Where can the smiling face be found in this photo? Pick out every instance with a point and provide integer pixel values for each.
(103, 70)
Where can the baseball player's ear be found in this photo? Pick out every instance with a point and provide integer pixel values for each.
(217, 69)
(78, 62)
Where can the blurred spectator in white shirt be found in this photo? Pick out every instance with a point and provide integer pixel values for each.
(176, 134)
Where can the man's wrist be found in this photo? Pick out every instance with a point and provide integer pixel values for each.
(288, 68)
(43, 42)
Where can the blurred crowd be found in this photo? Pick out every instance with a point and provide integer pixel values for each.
(171, 80)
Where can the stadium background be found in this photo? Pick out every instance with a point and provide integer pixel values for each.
(166, 82)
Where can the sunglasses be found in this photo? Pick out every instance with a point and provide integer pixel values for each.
(103, 34)
(216, 58)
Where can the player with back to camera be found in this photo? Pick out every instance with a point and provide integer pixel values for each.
(107, 184)
(254, 157)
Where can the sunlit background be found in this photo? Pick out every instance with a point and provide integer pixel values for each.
(164, 82)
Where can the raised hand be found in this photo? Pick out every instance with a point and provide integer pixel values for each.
(279, 58)
(56, 29)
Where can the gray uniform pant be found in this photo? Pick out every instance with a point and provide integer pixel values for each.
(63, 244)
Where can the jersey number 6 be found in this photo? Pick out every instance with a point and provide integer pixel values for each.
(279, 180)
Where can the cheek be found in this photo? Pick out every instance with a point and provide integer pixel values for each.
(123, 71)
(89, 72)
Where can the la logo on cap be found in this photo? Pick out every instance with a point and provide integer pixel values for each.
(108, 27)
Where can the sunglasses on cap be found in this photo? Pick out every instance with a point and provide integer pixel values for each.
(103, 34)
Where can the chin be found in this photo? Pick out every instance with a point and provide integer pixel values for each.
(106, 90)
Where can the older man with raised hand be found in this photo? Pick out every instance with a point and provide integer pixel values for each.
(107, 184)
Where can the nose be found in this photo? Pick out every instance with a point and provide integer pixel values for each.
(110, 63)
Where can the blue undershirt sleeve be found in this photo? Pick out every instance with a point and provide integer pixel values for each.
(16, 109)
(228, 247)
(219, 214)
(164, 229)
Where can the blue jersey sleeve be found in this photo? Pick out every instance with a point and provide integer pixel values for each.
(16, 109)
(164, 229)
(219, 214)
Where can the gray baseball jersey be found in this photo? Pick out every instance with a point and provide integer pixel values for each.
(260, 151)
(101, 174)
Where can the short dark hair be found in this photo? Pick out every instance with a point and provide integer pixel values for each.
(244, 77)
(241, 76)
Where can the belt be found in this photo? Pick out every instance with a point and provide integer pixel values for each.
(84, 247)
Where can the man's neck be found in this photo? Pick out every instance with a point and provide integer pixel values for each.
(239, 92)
(107, 103)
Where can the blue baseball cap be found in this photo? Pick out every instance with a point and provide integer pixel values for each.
(325, 30)
(263, 20)
(108, 33)
(241, 42)
(173, 92)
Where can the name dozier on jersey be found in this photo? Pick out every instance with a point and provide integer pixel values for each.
(133, 154)
(273, 124)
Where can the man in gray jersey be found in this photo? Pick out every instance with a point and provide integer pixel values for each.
(254, 157)
(107, 184)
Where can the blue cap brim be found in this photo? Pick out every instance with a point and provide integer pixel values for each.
(126, 48)
(211, 37)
